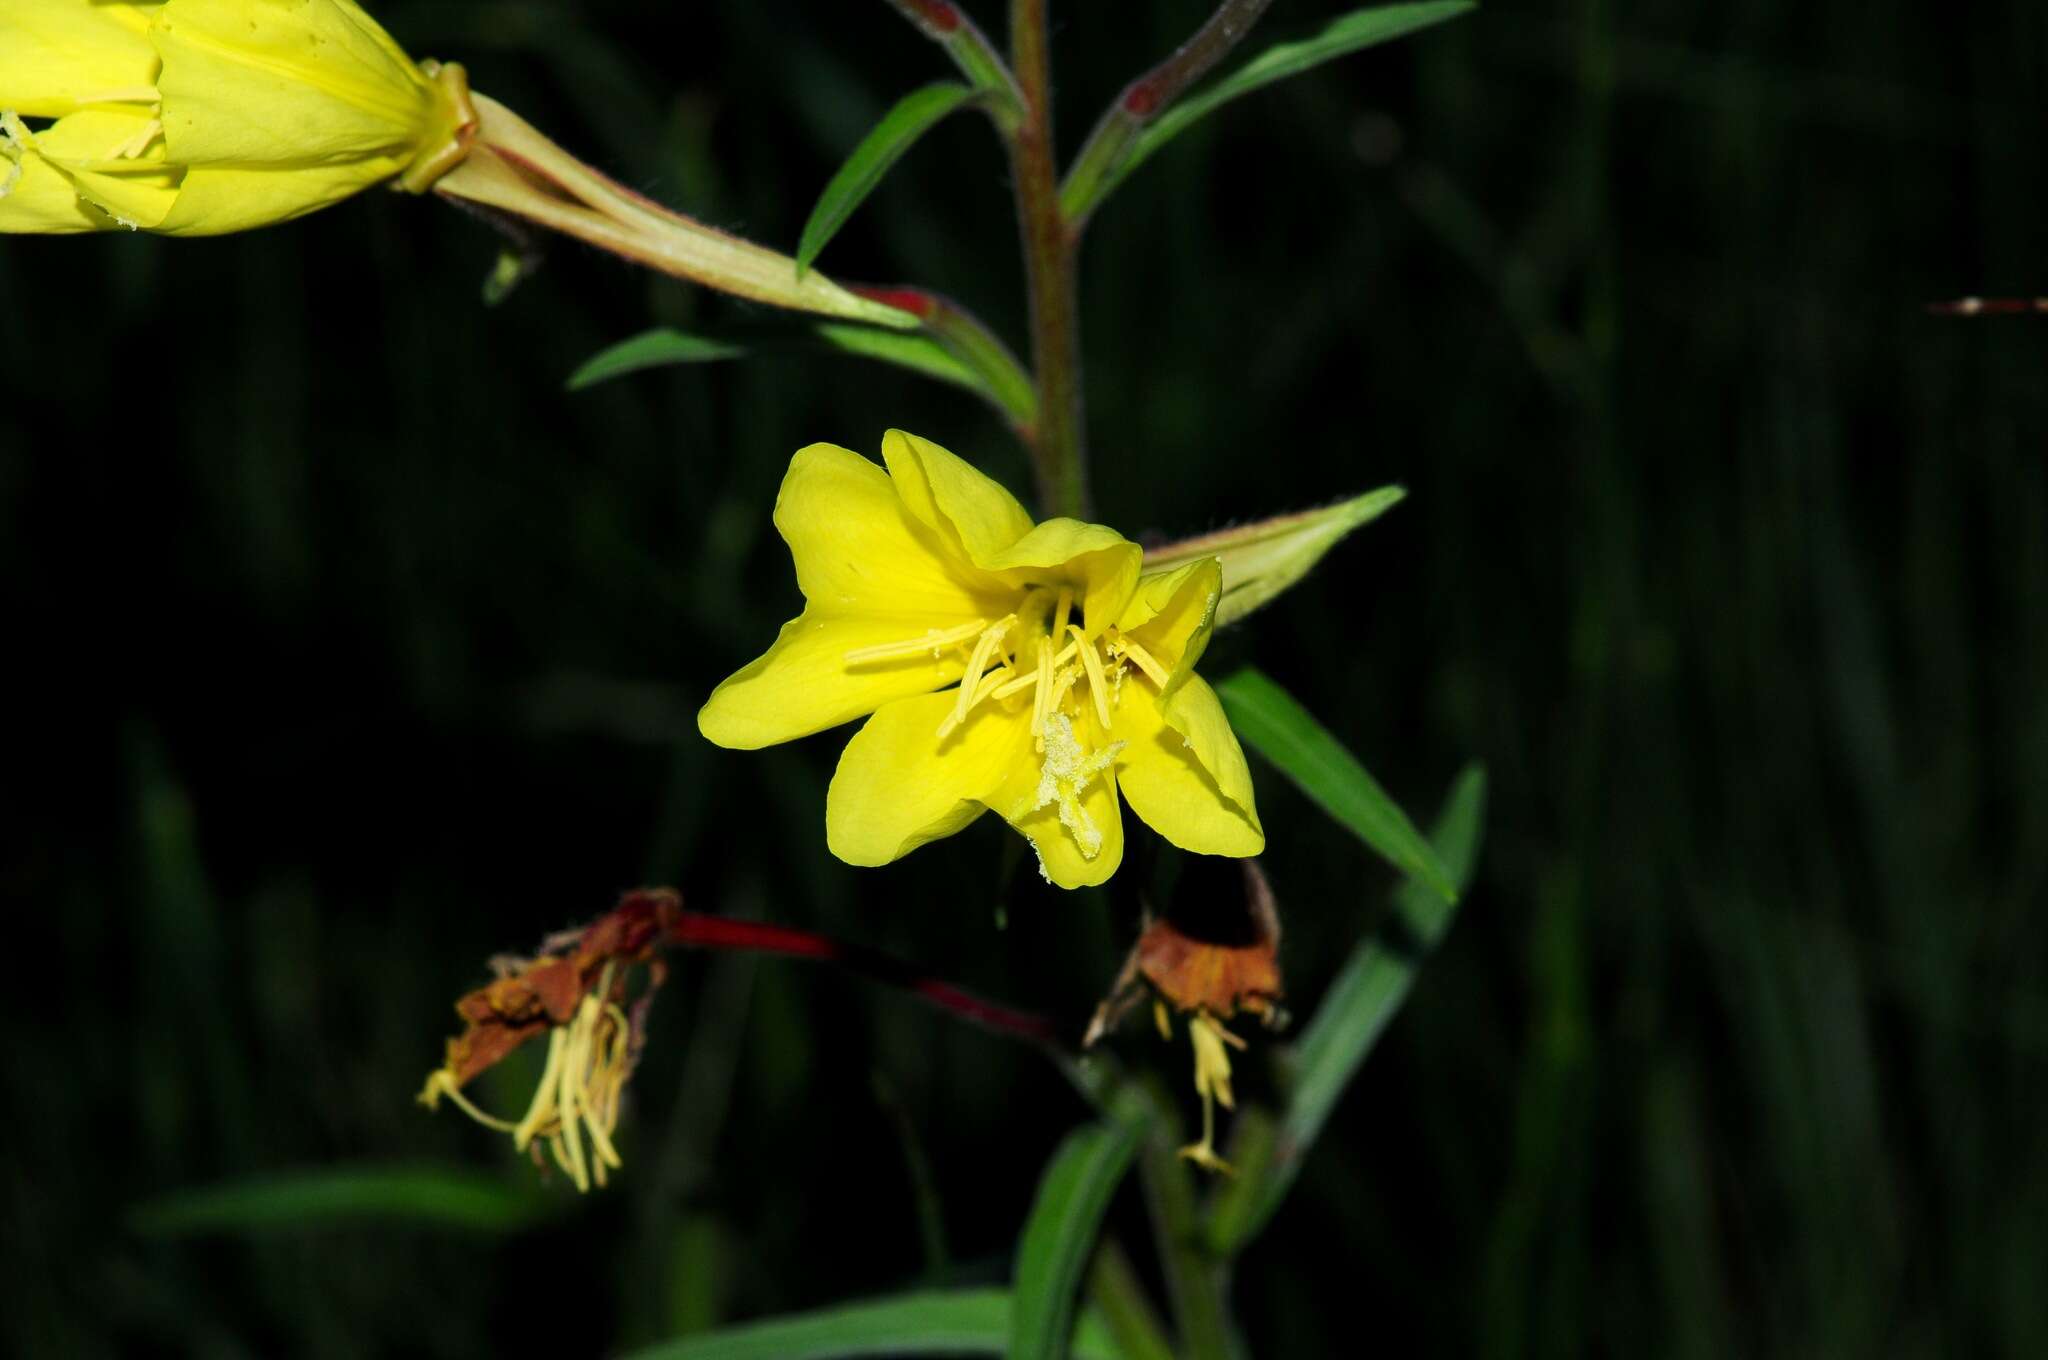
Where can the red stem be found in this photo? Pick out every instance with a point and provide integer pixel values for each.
(700, 930)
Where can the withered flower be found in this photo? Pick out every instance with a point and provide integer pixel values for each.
(1212, 957)
(575, 990)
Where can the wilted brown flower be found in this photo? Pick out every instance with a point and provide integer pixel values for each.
(1210, 958)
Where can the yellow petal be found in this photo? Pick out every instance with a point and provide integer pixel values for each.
(858, 550)
(898, 786)
(36, 197)
(1183, 771)
(803, 684)
(1171, 613)
(1098, 563)
(953, 498)
(286, 82)
(215, 199)
(58, 56)
(1062, 858)
(991, 530)
(107, 161)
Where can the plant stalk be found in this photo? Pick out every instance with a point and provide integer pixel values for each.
(1059, 450)
(1144, 99)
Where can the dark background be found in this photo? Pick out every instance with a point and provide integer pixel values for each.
(349, 650)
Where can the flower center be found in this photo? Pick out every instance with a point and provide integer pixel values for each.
(1044, 651)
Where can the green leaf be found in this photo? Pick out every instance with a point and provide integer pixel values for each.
(1353, 32)
(651, 349)
(938, 1322)
(1065, 1218)
(905, 349)
(914, 115)
(425, 1196)
(1281, 730)
(1363, 998)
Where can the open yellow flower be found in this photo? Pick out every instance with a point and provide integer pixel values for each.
(197, 117)
(1023, 667)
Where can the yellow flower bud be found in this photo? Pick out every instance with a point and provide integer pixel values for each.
(197, 117)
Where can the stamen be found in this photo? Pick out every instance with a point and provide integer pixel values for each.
(1062, 682)
(935, 641)
(970, 680)
(139, 143)
(992, 683)
(1143, 660)
(1038, 700)
(1061, 610)
(1098, 683)
(1212, 1083)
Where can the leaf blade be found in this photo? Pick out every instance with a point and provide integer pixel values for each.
(1361, 1001)
(930, 1322)
(1342, 36)
(426, 1196)
(1066, 1216)
(1285, 733)
(651, 349)
(907, 120)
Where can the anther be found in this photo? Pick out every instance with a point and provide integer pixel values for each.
(1143, 660)
(934, 641)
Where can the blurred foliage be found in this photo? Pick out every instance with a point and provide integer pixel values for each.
(351, 651)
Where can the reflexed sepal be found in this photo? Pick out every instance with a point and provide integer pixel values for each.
(1264, 558)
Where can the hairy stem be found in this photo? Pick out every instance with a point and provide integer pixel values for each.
(1144, 99)
(1059, 449)
(943, 22)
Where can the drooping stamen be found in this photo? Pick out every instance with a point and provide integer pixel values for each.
(934, 641)
(1142, 659)
(1098, 683)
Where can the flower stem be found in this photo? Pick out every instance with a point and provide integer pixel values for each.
(944, 23)
(1144, 99)
(701, 930)
(1049, 249)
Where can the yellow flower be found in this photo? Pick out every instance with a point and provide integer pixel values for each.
(1020, 667)
(196, 117)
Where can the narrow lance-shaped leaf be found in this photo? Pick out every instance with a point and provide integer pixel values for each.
(916, 351)
(1353, 32)
(937, 1322)
(650, 349)
(1264, 558)
(1273, 724)
(1060, 1234)
(913, 115)
(1366, 993)
(422, 1196)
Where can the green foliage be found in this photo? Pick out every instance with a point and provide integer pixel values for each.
(938, 1322)
(652, 349)
(1269, 720)
(1342, 36)
(1061, 1232)
(1371, 986)
(442, 1197)
(909, 119)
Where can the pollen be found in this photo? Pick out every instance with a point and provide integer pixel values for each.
(1068, 770)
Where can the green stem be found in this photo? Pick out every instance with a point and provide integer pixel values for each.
(944, 24)
(1194, 1279)
(1117, 1294)
(1144, 99)
(1049, 249)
